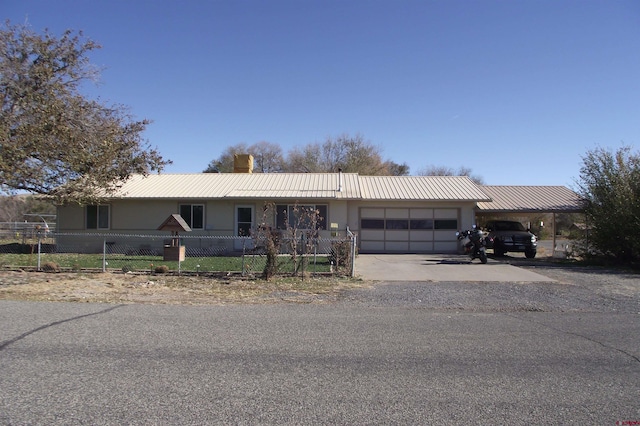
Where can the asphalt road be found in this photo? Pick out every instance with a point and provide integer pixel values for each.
(562, 351)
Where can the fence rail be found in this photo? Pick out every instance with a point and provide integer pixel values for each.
(44, 250)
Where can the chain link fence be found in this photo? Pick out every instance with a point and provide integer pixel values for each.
(202, 255)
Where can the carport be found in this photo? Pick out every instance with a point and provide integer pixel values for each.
(529, 200)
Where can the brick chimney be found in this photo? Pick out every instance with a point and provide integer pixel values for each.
(242, 163)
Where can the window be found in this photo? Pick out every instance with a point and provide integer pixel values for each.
(446, 224)
(300, 216)
(98, 217)
(421, 223)
(409, 224)
(397, 224)
(372, 223)
(193, 214)
(244, 220)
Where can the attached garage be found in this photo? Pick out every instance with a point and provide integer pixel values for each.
(392, 229)
(414, 214)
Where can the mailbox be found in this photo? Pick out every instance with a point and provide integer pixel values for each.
(175, 224)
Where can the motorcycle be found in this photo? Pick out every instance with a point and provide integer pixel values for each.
(476, 246)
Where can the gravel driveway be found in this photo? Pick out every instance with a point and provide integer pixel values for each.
(574, 289)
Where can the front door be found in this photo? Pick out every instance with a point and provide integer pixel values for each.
(244, 226)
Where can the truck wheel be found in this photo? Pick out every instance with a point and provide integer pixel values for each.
(530, 254)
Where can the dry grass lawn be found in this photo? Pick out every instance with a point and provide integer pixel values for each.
(167, 289)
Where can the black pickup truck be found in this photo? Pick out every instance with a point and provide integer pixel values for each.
(510, 236)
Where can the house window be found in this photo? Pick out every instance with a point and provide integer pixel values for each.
(300, 216)
(193, 214)
(98, 217)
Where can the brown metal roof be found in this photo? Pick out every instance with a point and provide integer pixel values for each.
(529, 199)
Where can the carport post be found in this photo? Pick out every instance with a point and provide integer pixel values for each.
(553, 250)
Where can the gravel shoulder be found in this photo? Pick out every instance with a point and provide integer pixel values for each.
(574, 289)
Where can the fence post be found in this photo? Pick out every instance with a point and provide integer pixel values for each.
(243, 258)
(353, 255)
(104, 255)
(304, 250)
(354, 244)
(39, 250)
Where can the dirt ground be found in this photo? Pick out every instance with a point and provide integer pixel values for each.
(166, 289)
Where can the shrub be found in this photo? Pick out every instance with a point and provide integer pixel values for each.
(272, 247)
(161, 269)
(50, 267)
(340, 255)
(610, 188)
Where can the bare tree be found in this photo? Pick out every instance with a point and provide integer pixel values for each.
(224, 163)
(304, 159)
(448, 171)
(351, 154)
(267, 157)
(395, 169)
(14, 207)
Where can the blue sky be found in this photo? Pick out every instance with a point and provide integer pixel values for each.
(516, 90)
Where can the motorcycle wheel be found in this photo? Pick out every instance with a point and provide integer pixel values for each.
(483, 257)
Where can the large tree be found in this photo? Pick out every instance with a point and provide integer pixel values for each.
(53, 140)
(305, 159)
(610, 185)
(351, 154)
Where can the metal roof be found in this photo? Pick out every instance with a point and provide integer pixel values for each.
(432, 188)
(240, 185)
(301, 186)
(529, 199)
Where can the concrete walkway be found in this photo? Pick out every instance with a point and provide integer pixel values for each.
(439, 267)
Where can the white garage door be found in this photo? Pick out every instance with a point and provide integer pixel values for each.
(408, 230)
